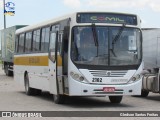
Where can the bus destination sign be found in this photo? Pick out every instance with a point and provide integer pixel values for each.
(106, 18)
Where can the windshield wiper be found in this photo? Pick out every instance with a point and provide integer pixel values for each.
(95, 36)
(117, 38)
(118, 34)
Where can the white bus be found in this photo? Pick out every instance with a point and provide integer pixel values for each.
(82, 54)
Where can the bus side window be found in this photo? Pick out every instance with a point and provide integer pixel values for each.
(36, 40)
(45, 39)
(28, 42)
(21, 43)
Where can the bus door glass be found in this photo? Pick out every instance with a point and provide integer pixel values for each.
(52, 46)
(52, 64)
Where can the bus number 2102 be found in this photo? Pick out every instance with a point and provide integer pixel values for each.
(96, 79)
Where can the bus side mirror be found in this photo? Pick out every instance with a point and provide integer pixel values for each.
(65, 38)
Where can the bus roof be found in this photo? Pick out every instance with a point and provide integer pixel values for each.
(39, 25)
(54, 20)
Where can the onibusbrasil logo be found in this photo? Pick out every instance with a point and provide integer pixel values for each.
(9, 8)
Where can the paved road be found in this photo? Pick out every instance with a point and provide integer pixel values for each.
(13, 98)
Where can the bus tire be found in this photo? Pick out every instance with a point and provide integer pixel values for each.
(37, 91)
(59, 99)
(115, 99)
(28, 89)
(144, 93)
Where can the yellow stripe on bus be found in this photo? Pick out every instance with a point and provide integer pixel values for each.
(35, 61)
(59, 62)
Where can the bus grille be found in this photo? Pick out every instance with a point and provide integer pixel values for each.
(104, 73)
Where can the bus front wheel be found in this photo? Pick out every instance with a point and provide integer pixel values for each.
(144, 93)
(115, 99)
(59, 99)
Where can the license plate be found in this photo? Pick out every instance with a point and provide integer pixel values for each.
(109, 89)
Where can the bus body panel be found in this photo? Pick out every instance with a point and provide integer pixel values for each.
(36, 66)
(127, 87)
(40, 77)
(81, 89)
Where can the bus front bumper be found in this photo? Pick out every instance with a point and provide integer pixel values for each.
(106, 90)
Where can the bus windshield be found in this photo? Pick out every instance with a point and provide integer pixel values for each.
(110, 50)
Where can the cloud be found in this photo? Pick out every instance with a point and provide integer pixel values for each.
(114, 4)
(1, 4)
(72, 3)
(118, 3)
(155, 6)
(106, 4)
(136, 4)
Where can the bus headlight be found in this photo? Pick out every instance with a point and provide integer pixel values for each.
(135, 78)
(81, 78)
(75, 76)
(78, 77)
(71, 73)
(138, 76)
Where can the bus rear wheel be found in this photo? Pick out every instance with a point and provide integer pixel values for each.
(115, 99)
(59, 99)
(28, 89)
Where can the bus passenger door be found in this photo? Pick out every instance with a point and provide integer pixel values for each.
(52, 63)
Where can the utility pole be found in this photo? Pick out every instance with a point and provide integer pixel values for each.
(4, 14)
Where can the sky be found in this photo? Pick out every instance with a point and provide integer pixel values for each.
(29, 12)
